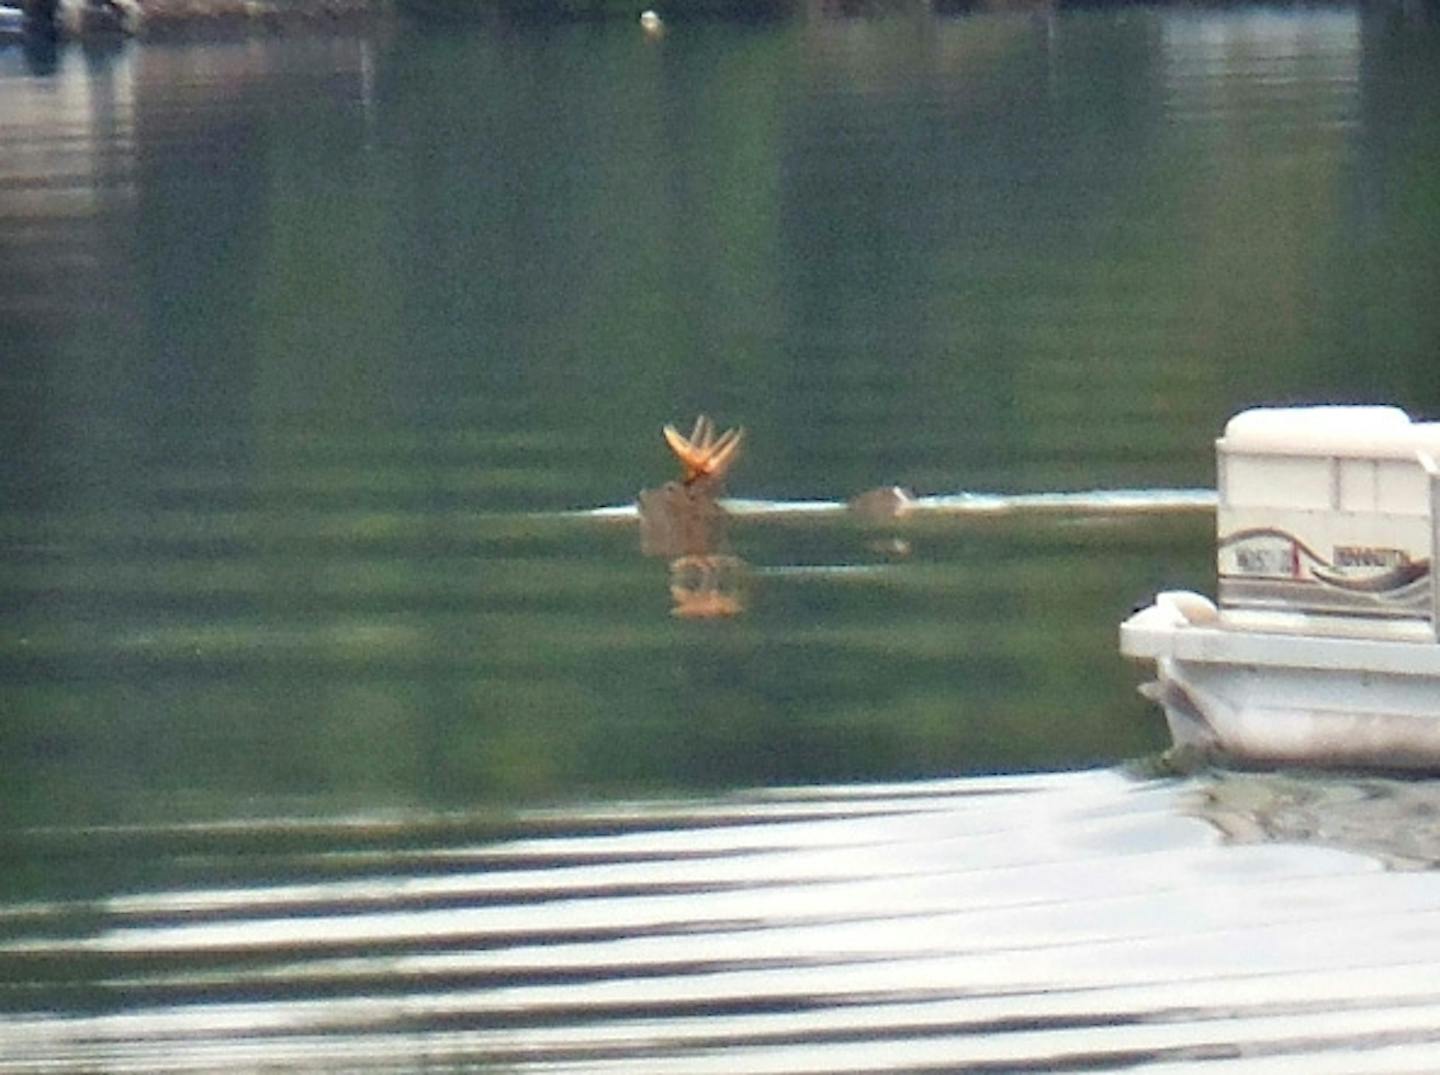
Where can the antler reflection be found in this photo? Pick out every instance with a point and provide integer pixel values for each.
(706, 587)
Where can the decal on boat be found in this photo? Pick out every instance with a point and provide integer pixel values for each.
(1269, 553)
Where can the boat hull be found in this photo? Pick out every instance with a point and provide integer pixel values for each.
(1288, 699)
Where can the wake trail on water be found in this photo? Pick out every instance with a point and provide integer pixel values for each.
(962, 505)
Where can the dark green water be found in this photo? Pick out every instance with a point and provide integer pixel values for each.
(313, 354)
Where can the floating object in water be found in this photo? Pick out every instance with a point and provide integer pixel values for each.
(1323, 647)
(651, 24)
(883, 504)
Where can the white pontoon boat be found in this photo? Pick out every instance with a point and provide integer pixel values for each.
(1323, 649)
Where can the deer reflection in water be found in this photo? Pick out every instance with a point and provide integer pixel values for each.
(684, 522)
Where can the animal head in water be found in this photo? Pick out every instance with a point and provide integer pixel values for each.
(703, 454)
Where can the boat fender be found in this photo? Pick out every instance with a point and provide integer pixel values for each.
(1188, 607)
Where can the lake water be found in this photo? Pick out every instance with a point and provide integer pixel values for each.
(340, 731)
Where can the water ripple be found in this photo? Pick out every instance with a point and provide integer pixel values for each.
(1052, 923)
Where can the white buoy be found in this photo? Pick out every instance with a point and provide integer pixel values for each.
(650, 23)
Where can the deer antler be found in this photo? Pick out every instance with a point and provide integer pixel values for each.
(703, 454)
